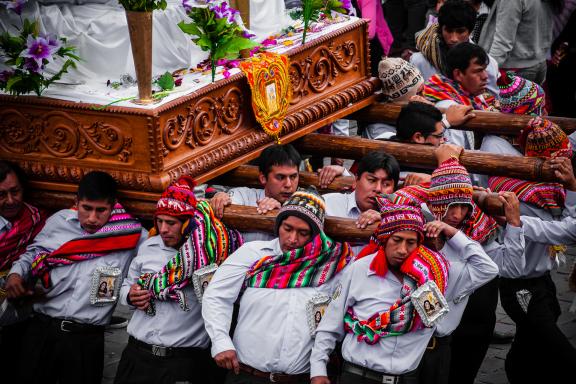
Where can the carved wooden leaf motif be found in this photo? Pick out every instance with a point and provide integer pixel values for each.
(58, 134)
(320, 69)
(207, 118)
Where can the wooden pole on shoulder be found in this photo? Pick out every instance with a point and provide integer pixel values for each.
(422, 156)
(485, 122)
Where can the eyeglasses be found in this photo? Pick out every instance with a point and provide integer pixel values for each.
(439, 135)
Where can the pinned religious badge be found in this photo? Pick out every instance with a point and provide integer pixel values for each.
(105, 285)
(429, 303)
(315, 309)
(201, 278)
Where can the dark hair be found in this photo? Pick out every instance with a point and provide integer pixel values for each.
(462, 55)
(456, 14)
(277, 155)
(7, 167)
(97, 185)
(417, 117)
(375, 160)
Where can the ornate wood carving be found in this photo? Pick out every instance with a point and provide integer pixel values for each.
(206, 118)
(58, 134)
(319, 70)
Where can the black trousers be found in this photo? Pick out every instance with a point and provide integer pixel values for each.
(540, 351)
(245, 378)
(11, 339)
(50, 355)
(434, 367)
(350, 378)
(471, 340)
(405, 18)
(138, 366)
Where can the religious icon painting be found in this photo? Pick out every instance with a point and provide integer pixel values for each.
(201, 278)
(429, 303)
(315, 308)
(105, 285)
(271, 97)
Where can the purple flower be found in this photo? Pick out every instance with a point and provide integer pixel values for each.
(31, 65)
(40, 49)
(177, 81)
(15, 5)
(346, 4)
(226, 74)
(5, 76)
(223, 11)
(247, 35)
(187, 6)
(269, 42)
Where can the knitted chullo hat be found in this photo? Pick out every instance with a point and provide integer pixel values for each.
(178, 199)
(397, 217)
(541, 138)
(520, 96)
(398, 77)
(307, 205)
(450, 184)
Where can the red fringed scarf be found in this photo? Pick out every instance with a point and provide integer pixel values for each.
(121, 233)
(13, 242)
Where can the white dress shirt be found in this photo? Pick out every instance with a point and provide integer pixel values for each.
(467, 274)
(344, 205)
(69, 296)
(171, 326)
(369, 293)
(249, 197)
(272, 333)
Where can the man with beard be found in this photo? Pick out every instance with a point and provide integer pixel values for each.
(286, 281)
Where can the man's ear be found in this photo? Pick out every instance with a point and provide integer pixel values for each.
(458, 75)
(262, 178)
(418, 138)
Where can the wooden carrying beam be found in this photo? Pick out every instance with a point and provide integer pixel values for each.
(422, 156)
(248, 219)
(247, 176)
(484, 122)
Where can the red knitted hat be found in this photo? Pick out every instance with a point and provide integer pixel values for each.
(178, 199)
(541, 138)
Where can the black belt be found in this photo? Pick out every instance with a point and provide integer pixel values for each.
(436, 341)
(69, 326)
(371, 374)
(275, 377)
(160, 351)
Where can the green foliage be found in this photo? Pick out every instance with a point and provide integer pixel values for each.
(222, 38)
(312, 9)
(166, 82)
(143, 5)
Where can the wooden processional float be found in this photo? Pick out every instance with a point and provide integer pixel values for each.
(202, 134)
(484, 123)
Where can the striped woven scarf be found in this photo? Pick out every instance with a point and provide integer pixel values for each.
(14, 241)
(479, 227)
(309, 266)
(207, 241)
(421, 266)
(548, 196)
(120, 233)
(439, 88)
(428, 42)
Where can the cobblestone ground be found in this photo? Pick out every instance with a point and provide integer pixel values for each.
(491, 372)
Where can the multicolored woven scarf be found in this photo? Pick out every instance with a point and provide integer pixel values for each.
(421, 266)
(309, 266)
(429, 43)
(120, 233)
(207, 241)
(14, 241)
(439, 88)
(548, 196)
